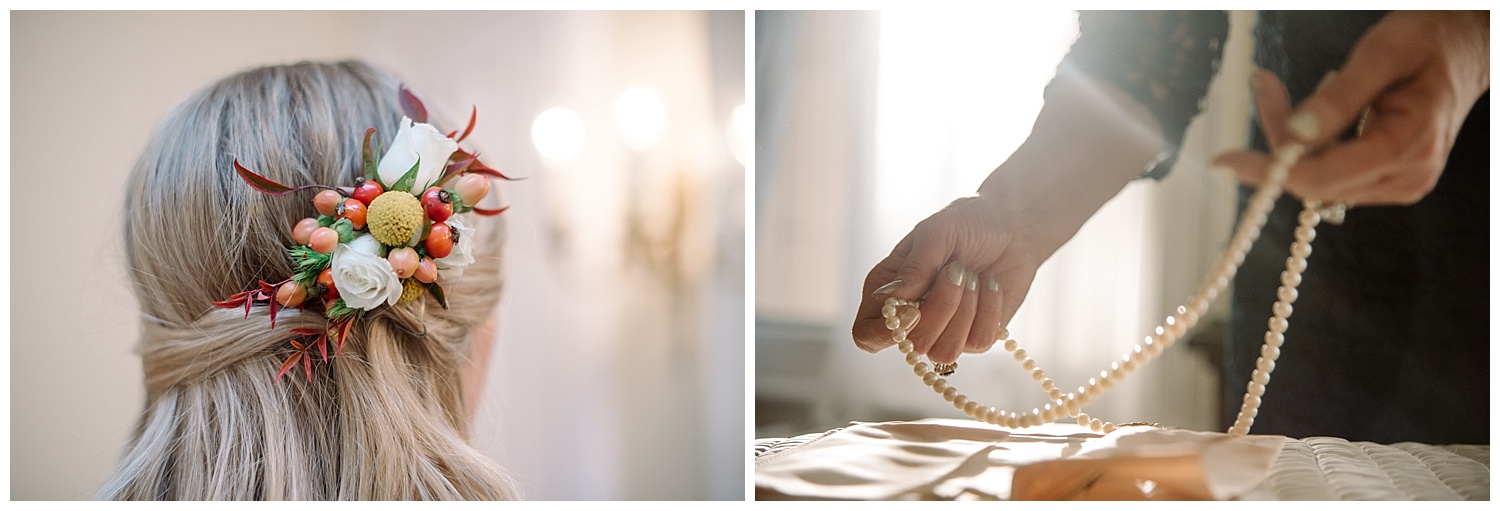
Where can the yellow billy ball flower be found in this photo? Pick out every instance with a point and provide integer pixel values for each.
(394, 218)
(411, 290)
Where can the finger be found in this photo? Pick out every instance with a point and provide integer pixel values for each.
(986, 328)
(1249, 167)
(1014, 283)
(938, 307)
(869, 331)
(950, 342)
(1273, 105)
(1376, 63)
(1398, 188)
(1390, 143)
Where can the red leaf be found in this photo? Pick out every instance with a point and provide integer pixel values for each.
(343, 336)
(304, 331)
(370, 162)
(412, 106)
(473, 114)
(455, 168)
(234, 301)
(481, 168)
(490, 212)
(273, 305)
(307, 363)
(290, 362)
(323, 345)
(269, 187)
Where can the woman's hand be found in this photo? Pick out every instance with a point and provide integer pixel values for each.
(1418, 73)
(970, 263)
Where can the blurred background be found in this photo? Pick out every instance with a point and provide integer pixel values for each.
(868, 122)
(618, 370)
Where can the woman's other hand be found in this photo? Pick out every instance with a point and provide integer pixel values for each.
(1418, 73)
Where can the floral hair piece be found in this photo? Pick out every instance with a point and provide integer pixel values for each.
(390, 239)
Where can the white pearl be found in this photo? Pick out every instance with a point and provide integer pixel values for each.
(1274, 339)
(898, 334)
(1309, 216)
(1277, 324)
(1083, 419)
(889, 311)
(1028, 364)
(1011, 345)
(939, 385)
(991, 413)
(905, 346)
(1109, 427)
(929, 378)
(960, 401)
(891, 302)
(1252, 401)
(950, 394)
(1265, 365)
(1155, 347)
(1296, 265)
(1257, 389)
(1005, 334)
(1261, 377)
(1019, 354)
(1239, 431)
(1290, 279)
(892, 323)
(1096, 425)
(1128, 363)
(1038, 375)
(1306, 233)
(1282, 309)
(1301, 250)
(1286, 294)
(912, 358)
(1270, 352)
(1048, 385)
(1055, 393)
(1175, 330)
(920, 368)
(1071, 407)
(971, 408)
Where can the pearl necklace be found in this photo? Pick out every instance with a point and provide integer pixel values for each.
(901, 314)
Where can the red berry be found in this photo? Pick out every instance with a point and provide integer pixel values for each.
(426, 271)
(355, 211)
(472, 188)
(323, 240)
(291, 294)
(366, 191)
(326, 201)
(325, 281)
(404, 261)
(438, 204)
(303, 231)
(440, 240)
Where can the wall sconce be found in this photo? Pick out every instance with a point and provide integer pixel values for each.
(558, 134)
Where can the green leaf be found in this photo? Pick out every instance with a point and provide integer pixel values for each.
(372, 172)
(307, 264)
(437, 292)
(345, 229)
(409, 178)
(325, 220)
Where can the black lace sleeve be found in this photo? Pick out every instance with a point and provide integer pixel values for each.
(1163, 59)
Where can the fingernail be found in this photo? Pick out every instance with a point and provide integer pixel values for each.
(1304, 125)
(888, 288)
(971, 280)
(956, 273)
(993, 285)
(909, 317)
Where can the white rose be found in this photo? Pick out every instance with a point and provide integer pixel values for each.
(452, 267)
(413, 141)
(363, 278)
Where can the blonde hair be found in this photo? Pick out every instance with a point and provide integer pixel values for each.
(384, 419)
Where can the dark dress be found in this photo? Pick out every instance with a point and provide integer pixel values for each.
(1389, 337)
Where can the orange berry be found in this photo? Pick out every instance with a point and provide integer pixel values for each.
(426, 271)
(440, 240)
(355, 211)
(403, 261)
(367, 191)
(325, 285)
(303, 231)
(323, 240)
(326, 201)
(291, 294)
(472, 188)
